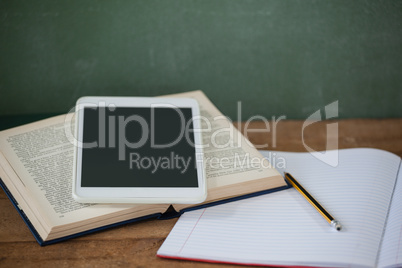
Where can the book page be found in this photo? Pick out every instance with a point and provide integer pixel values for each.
(229, 158)
(391, 249)
(37, 162)
(282, 228)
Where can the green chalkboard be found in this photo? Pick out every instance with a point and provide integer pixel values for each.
(276, 57)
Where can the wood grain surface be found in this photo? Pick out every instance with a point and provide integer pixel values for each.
(135, 245)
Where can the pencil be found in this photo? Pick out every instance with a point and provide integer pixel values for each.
(334, 223)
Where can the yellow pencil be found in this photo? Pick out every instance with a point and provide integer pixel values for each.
(334, 223)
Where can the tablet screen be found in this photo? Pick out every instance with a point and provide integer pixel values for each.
(138, 147)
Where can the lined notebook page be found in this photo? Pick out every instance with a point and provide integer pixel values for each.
(283, 228)
(391, 248)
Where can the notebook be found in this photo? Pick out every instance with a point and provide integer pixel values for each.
(364, 192)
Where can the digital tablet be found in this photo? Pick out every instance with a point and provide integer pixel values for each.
(138, 150)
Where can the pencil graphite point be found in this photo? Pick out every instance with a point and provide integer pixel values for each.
(336, 224)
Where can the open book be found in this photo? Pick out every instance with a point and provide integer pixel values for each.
(36, 163)
(364, 192)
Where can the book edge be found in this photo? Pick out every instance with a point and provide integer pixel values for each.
(159, 216)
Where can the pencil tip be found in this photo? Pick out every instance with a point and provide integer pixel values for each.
(336, 224)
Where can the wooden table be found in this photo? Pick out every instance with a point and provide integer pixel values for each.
(136, 244)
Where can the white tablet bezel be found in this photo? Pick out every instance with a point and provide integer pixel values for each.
(150, 195)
